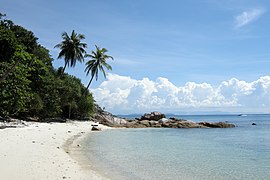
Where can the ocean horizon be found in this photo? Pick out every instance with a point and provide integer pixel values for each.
(242, 152)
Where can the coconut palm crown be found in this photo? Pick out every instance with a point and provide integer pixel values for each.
(71, 49)
(97, 63)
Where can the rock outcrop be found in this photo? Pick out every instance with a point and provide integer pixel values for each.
(175, 123)
(108, 119)
(153, 116)
(217, 124)
(152, 120)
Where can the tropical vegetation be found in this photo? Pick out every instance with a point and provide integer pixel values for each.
(72, 49)
(31, 87)
(96, 63)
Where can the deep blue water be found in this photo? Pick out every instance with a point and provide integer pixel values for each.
(236, 153)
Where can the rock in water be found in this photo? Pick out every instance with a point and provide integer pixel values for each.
(153, 116)
(96, 128)
(216, 124)
(163, 120)
(145, 123)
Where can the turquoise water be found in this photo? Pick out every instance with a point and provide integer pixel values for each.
(237, 153)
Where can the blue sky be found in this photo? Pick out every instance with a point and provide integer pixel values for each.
(199, 41)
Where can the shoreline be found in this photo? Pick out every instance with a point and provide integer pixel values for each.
(45, 151)
(75, 149)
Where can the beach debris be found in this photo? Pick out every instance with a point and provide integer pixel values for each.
(32, 119)
(2, 119)
(56, 119)
(8, 122)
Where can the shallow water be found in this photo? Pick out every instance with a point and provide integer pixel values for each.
(237, 153)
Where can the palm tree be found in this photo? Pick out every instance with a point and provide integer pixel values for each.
(72, 49)
(97, 63)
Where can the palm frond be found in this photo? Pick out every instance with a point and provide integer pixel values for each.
(71, 48)
(97, 62)
(103, 71)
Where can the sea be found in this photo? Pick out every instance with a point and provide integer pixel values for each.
(236, 153)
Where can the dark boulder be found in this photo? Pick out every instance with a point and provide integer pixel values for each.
(216, 124)
(189, 124)
(145, 123)
(153, 116)
(96, 128)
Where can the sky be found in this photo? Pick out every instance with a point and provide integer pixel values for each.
(174, 56)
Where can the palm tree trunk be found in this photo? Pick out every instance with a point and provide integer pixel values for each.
(63, 70)
(69, 111)
(88, 85)
(8, 71)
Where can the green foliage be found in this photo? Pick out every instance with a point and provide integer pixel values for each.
(87, 106)
(35, 105)
(29, 85)
(74, 103)
(25, 38)
(5, 22)
(43, 54)
(15, 91)
(71, 49)
(8, 44)
(49, 93)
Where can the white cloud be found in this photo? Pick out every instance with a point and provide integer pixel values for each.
(247, 17)
(121, 94)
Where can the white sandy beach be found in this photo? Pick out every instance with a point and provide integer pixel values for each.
(44, 151)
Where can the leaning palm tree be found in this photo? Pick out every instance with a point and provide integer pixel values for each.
(72, 49)
(97, 63)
